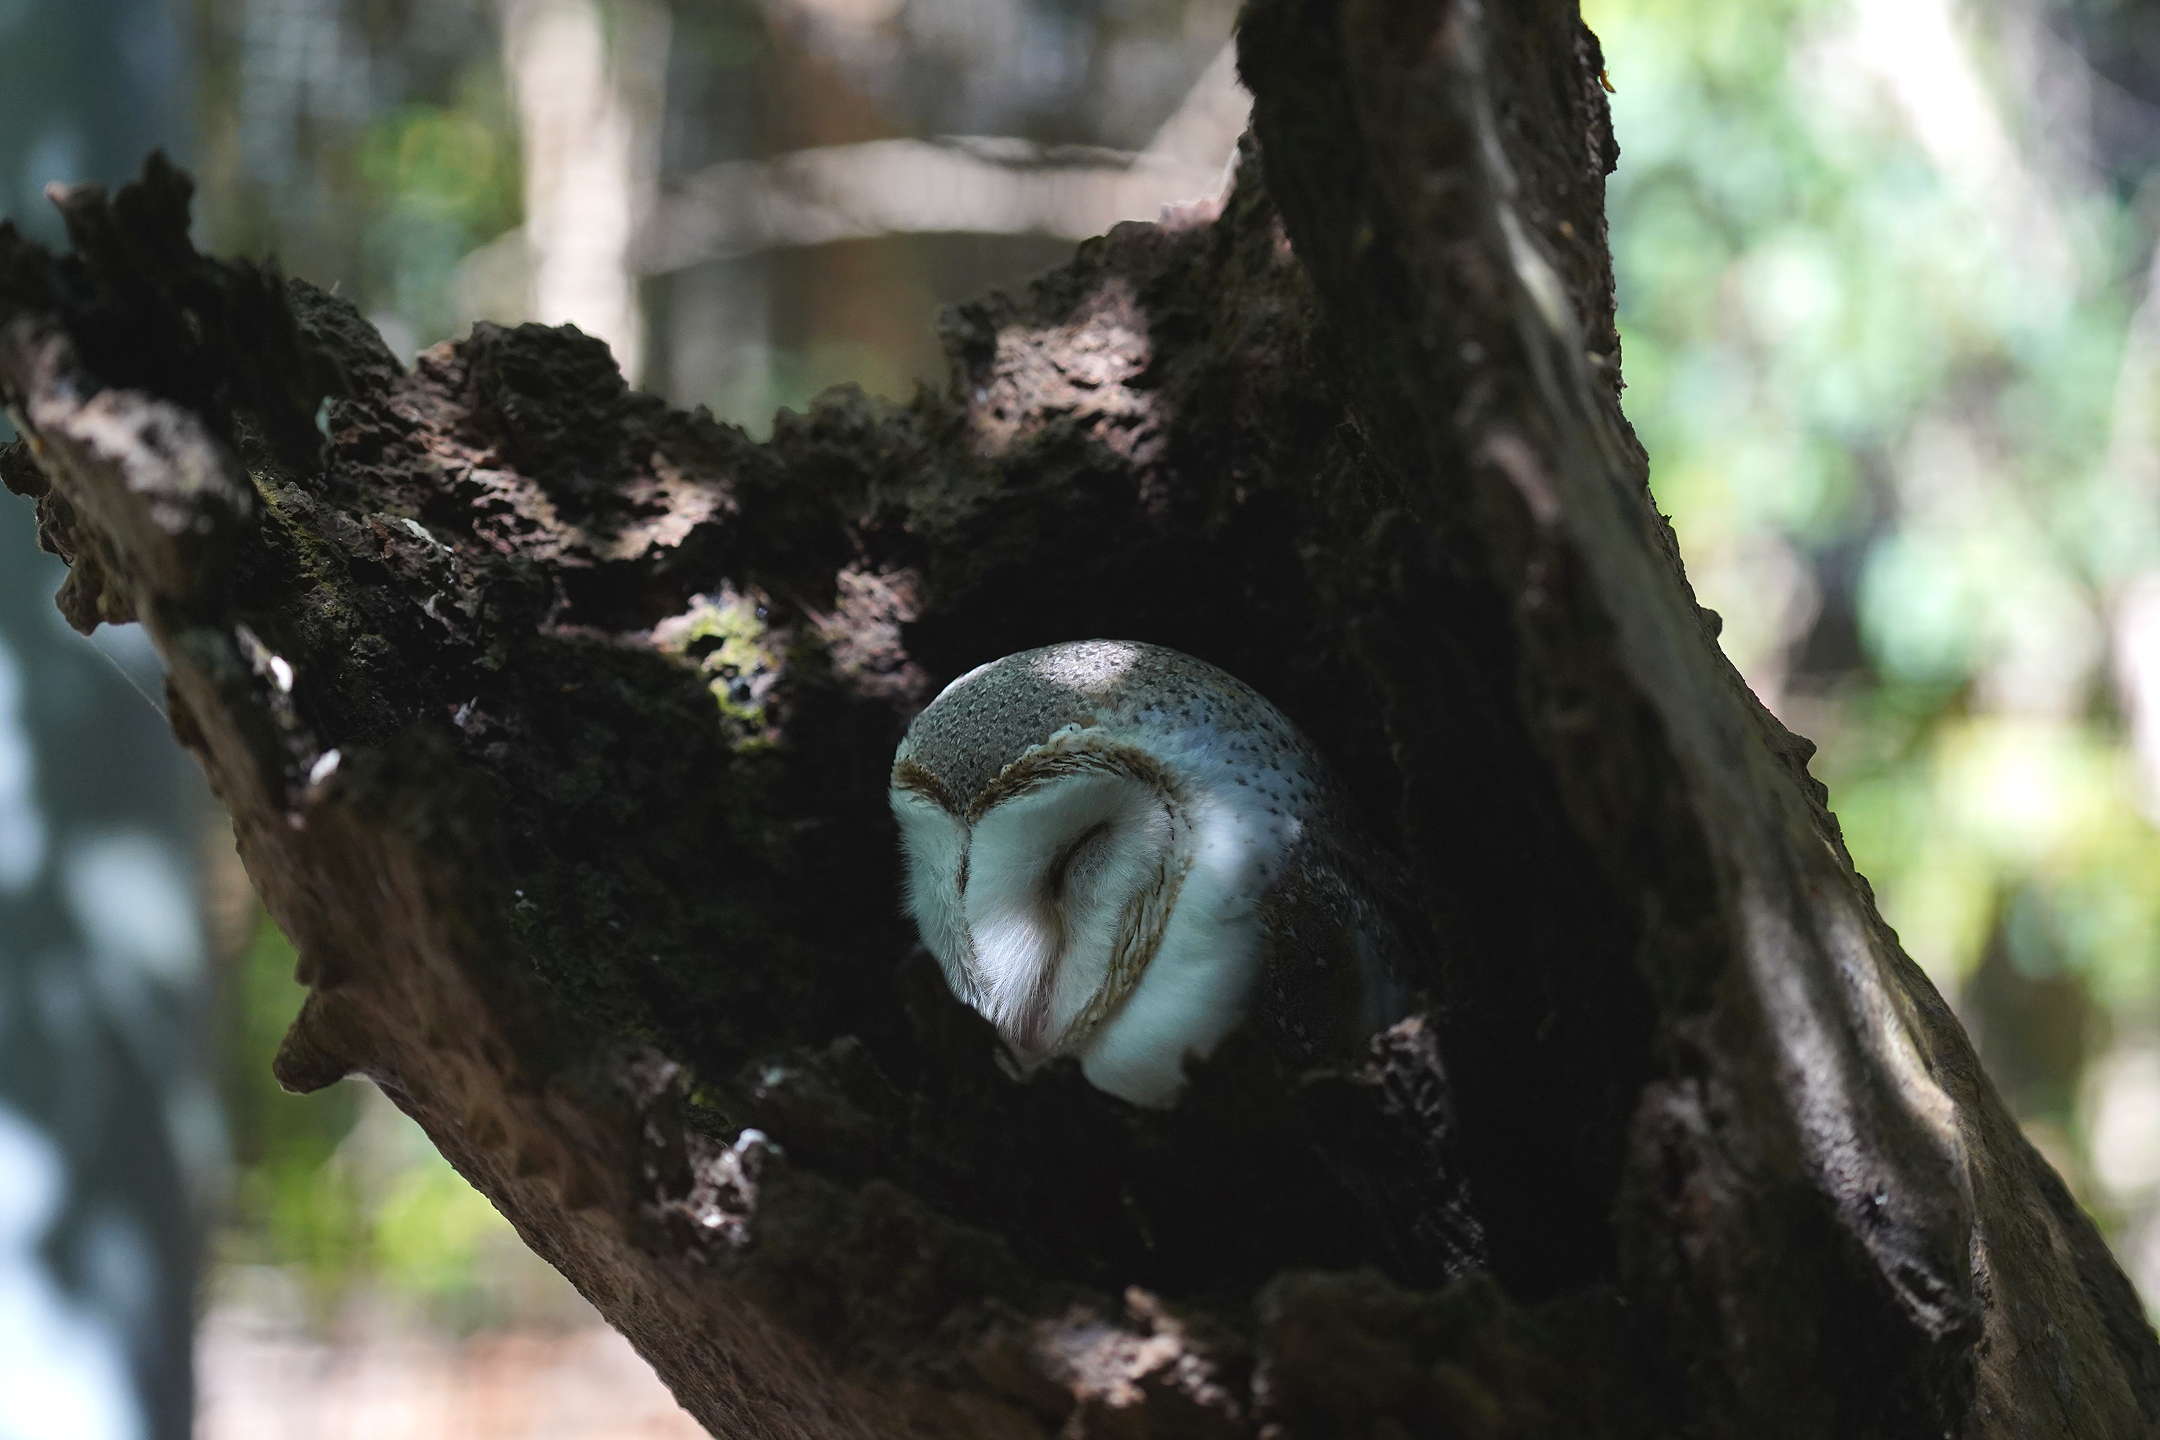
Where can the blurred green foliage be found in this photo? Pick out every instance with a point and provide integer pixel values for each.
(369, 145)
(1876, 298)
(299, 1218)
(443, 180)
(341, 1192)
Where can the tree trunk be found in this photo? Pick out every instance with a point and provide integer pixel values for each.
(555, 725)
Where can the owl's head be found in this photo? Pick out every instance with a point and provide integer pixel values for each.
(1091, 833)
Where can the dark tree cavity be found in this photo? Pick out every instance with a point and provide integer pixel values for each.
(554, 725)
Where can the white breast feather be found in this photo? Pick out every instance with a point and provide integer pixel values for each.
(1199, 984)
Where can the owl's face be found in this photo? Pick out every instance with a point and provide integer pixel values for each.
(1090, 831)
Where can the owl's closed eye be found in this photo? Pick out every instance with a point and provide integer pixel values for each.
(1115, 851)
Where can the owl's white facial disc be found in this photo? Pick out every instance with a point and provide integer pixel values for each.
(1045, 899)
(1054, 875)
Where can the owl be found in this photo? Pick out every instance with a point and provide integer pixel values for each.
(1119, 853)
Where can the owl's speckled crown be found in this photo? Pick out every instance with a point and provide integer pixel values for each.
(997, 712)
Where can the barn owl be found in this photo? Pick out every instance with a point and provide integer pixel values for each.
(1117, 852)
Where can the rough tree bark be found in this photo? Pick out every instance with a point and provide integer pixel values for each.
(554, 727)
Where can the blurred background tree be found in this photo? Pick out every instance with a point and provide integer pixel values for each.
(110, 1139)
(1887, 290)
